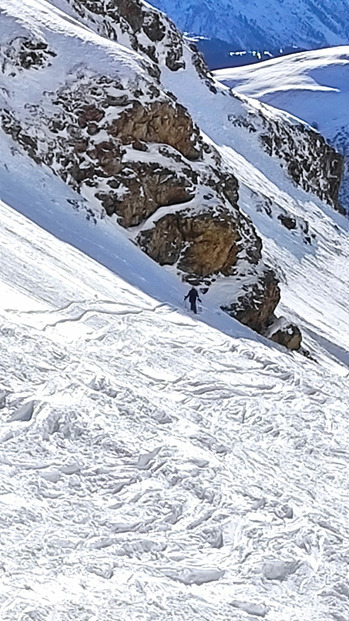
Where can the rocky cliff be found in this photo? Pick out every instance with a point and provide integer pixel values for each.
(306, 156)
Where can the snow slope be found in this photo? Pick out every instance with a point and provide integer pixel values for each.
(270, 25)
(152, 466)
(313, 86)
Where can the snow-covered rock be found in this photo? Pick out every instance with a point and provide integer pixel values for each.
(285, 333)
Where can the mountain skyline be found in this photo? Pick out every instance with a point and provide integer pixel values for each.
(268, 25)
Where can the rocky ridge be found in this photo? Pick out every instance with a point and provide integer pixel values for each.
(135, 25)
(310, 161)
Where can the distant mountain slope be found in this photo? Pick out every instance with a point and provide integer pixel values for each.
(313, 86)
(263, 25)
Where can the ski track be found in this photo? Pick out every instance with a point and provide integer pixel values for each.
(205, 477)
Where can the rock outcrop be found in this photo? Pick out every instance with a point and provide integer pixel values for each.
(284, 333)
(94, 138)
(255, 308)
(24, 53)
(200, 245)
(144, 27)
(308, 159)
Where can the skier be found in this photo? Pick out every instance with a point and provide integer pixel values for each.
(193, 296)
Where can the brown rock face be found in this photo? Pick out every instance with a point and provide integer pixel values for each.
(289, 336)
(202, 245)
(256, 308)
(140, 189)
(158, 122)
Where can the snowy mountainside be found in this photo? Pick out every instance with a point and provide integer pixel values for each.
(312, 86)
(268, 25)
(152, 465)
(129, 149)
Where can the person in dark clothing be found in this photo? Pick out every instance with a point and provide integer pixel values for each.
(193, 296)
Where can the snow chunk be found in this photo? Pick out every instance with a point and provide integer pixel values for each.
(24, 413)
(198, 576)
(280, 570)
(253, 609)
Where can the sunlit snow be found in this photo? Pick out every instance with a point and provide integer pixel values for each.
(155, 465)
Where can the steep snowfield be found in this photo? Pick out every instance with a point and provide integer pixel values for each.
(271, 24)
(153, 467)
(156, 465)
(313, 86)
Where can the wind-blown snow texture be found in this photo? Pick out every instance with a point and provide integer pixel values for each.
(313, 86)
(155, 465)
(267, 24)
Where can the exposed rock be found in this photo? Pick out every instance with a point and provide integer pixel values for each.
(142, 189)
(201, 67)
(24, 53)
(257, 305)
(158, 122)
(144, 26)
(288, 221)
(312, 163)
(201, 245)
(73, 148)
(285, 333)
